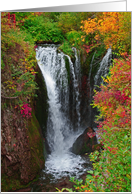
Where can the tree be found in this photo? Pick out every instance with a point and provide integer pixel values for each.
(111, 28)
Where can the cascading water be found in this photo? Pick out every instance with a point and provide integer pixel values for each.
(61, 131)
(103, 68)
(90, 88)
(102, 72)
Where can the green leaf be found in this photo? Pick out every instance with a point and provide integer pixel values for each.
(90, 171)
(72, 179)
(96, 173)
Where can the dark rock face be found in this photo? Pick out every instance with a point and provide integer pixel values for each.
(85, 142)
(41, 108)
(21, 149)
(47, 149)
(40, 102)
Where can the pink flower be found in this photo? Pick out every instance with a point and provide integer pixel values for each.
(35, 46)
(26, 110)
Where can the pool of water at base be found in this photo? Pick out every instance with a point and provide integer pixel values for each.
(49, 180)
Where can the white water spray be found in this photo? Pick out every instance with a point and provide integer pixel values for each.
(104, 67)
(60, 132)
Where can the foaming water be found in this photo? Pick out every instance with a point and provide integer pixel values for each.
(63, 112)
(103, 68)
(66, 163)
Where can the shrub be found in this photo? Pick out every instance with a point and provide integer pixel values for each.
(66, 48)
(112, 168)
(18, 63)
(43, 29)
(74, 38)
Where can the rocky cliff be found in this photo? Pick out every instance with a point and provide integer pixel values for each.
(21, 147)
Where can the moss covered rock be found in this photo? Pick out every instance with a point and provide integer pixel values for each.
(21, 149)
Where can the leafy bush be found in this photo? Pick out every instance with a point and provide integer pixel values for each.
(52, 15)
(112, 168)
(43, 29)
(74, 38)
(70, 21)
(18, 64)
(67, 22)
(111, 28)
(66, 48)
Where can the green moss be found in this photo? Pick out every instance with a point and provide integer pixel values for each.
(35, 140)
(10, 183)
(13, 183)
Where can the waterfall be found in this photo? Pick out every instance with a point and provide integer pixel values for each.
(90, 89)
(103, 68)
(60, 127)
(102, 72)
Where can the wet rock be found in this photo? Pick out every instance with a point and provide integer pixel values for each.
(36, 188)
(60, 184)
(48, 150)
(28, 189)
(21, 150)
(40, 102)
(85, 142)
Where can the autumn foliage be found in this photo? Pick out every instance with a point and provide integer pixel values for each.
(18, 64)
(111, 28)
(114, 99)
(112, 165)
(114, 104)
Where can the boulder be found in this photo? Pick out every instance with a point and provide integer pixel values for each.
(85, 142)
